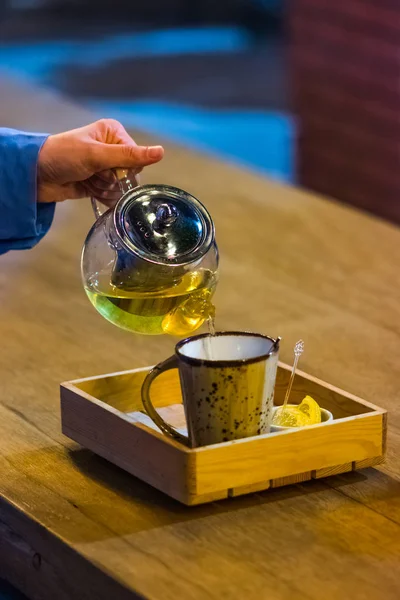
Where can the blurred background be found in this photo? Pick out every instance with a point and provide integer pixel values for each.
(304, 91)
(208, 74)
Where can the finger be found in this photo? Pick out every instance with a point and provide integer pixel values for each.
(110, 131)
(58, 193)
(110, 156)
(107, 176)
(98, 182)
(106, 197)
(110, 176)
(95, 191)
(119, 135)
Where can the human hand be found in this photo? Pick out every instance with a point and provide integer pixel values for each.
(78, 163)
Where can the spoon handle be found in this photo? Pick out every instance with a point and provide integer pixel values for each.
(298, 351)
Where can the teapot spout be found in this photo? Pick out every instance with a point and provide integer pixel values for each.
(190, 315)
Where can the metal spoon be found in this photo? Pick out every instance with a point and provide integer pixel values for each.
(298, 351)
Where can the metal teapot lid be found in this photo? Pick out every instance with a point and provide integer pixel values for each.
(163, 224)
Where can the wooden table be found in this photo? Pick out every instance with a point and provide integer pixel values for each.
(74, 527)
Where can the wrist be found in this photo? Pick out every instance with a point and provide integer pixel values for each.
(45, 174)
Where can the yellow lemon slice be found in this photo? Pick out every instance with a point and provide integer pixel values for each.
(291, 417)
(311, 408)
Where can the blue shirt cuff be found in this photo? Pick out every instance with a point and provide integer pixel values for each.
(23, 221)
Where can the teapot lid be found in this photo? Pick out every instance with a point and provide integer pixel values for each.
(163, 224)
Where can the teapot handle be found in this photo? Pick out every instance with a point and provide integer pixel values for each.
(127, 180)
(97, 211)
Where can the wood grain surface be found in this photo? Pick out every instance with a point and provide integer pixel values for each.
(73, 526)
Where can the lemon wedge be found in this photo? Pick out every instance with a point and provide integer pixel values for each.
(311, 408)
(291, 416)
(301, 415)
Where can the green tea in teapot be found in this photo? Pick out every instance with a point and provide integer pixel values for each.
(150, 264)
(178, 310)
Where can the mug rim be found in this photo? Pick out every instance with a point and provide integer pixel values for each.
(226, 363)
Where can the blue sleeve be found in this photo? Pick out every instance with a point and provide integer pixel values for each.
(23, 221)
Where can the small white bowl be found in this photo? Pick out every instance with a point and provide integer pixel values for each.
(325, 417)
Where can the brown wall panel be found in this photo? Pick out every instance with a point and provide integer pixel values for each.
(345, 64)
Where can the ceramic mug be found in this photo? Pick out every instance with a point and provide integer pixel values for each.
(227, 383)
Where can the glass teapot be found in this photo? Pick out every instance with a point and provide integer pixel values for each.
(149, 265)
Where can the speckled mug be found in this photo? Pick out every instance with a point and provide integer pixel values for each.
(227, 383)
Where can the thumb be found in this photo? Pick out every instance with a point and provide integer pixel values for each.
(128, 156)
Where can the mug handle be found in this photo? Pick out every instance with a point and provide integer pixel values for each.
(166, 365)
(127, 180)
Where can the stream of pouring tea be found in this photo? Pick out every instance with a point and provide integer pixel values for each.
(208, 339)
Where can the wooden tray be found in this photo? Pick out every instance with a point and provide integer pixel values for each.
(105, 415)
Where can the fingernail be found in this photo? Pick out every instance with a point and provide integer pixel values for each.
(155, 151)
